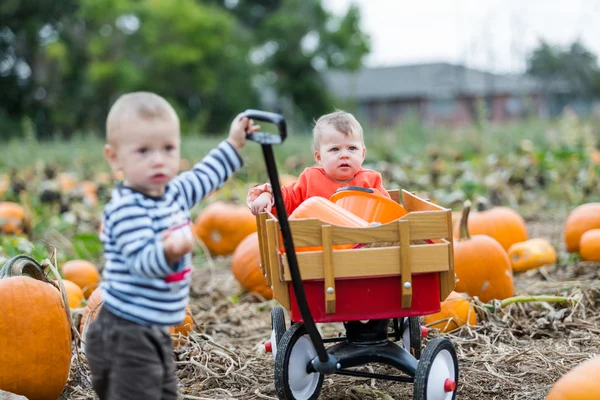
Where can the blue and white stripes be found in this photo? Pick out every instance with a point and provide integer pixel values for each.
(133, 284)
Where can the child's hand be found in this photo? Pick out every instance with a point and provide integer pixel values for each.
(176, 246)
(262, 203)
(240, 128)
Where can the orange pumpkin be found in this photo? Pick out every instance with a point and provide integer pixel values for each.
(481, 265)
(35, 335)
(530, 254)
(74, 293)
(66, 181)
(83, 273)
(589, 245)
(456, 311)
(502, 223)
(184, 328)
(580, 383)
(222, 226)
(92, 302)
(580, 220)
(245, 265)
(12, 218)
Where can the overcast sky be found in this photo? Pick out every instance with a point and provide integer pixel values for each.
(491, 34)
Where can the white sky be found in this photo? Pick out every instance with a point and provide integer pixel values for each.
(495, 35)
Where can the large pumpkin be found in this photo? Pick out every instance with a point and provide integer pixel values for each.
(83, 273)
(94, 302)
(530, 254)
(12, 218)
(580, 383)
(481, 265)
(580, 220)
(245, 265)
(455, 311)
(502, 223)
(589, 245)
(222, 226)
(35, 335)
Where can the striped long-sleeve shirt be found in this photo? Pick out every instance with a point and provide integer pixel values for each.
(134, 285)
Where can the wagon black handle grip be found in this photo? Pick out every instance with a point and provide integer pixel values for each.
(273, 118)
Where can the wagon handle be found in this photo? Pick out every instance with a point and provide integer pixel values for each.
(266, 140)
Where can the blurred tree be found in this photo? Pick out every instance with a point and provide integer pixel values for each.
(575, 65)
(26, 27)
(295, 41)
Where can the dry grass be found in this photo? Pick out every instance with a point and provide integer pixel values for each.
(516, 352)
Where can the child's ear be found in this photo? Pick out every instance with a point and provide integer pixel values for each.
(317, 155)
(364, 153)
(111, 156)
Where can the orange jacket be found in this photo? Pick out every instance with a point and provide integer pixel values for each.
(313, 181)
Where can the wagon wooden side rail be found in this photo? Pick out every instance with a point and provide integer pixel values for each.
(419, 243)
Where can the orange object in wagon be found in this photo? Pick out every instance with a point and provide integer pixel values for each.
(326, 211)
(368, 204)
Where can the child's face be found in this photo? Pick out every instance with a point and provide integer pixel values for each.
(147, 153)
(341, 156)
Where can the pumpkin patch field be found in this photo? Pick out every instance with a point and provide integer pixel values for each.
(524, 315)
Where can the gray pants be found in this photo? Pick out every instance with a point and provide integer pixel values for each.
(130, 361)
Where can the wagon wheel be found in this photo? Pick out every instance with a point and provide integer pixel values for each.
(277, 326)
(436, 377)
(411, 336)
(292, 382)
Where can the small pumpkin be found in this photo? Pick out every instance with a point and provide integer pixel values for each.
(12, 218)
(580, 220)
(94, 303)
(481, 265)
(530, 254)
(589, 245)
(83, 273)
(580, 383)
(245, 265)
(74, 293)
(455, 312)
(66, 181)
(35, 335)
(504, 224)
(184, 328)
(222, 226)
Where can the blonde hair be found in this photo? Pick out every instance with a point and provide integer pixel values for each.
(341, 121)
(137, 105)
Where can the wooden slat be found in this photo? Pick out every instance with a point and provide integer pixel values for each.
(382, 261)
(423, 225)
(448, 279)
(280, 287)
(394, 195)
(328, 271)
(405, 267)
(261, 220)
(411, 202)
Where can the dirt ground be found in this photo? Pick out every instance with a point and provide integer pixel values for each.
(516, 352)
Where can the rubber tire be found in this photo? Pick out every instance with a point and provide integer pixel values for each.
(431, 351)
(278, 323)
(416, 340)
(286, 345)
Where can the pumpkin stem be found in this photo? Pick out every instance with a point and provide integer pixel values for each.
(24, 264)
(464, 219)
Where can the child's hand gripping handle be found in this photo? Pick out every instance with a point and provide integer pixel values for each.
(265, 137)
